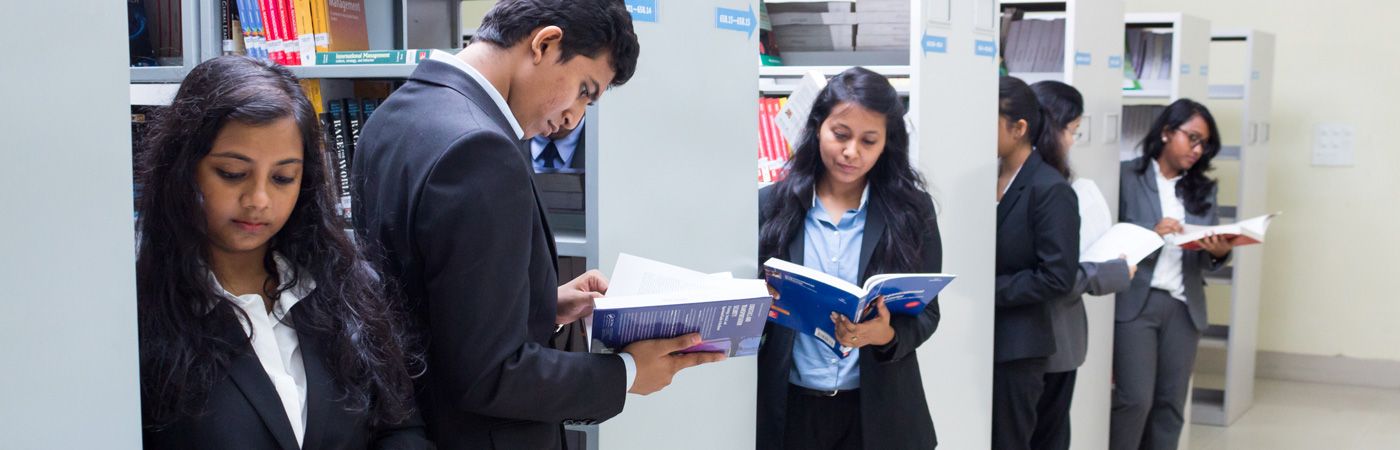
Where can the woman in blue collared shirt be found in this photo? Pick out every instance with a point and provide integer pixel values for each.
(851, 206)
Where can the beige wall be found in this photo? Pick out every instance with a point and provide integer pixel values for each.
(1330, 275)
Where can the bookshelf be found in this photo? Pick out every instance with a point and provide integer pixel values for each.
(1187, 71)
(1091, 58)
(955, 77)
(1241, 87)
(187, 12)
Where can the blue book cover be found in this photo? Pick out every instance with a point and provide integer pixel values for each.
(729, 318)
(804, 298)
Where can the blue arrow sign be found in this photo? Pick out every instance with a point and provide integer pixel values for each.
(935, 44)
(985, 48)
(736, 20)
(1083, 59)
(1115, 62)
(1185, 69)
(1205, 71)
(642, 10)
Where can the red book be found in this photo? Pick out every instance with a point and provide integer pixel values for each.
(270, 31)
(287, 14)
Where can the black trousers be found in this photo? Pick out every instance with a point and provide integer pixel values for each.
(820, 423)
(1153, 356)
(1052, 412)
(1016, 388)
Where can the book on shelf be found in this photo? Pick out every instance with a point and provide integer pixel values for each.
(371, 57)
(1131, 242)
(804, 299)
(1035, 46)
(337, 141)
(1246, 232)
(793, 117)
(653, 300)
(773, 151)
(306, 32)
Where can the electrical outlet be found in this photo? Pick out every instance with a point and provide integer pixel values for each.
(1333, 145)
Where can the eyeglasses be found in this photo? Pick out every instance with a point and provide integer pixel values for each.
(1193, 138)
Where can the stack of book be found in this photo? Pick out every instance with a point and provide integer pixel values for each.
(882, 25)
(812, 26)
(292, 32)
(1149, 56)
(1137, 121)
(773, 150)
(1035, 46)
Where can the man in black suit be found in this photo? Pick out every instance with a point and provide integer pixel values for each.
(444, 190)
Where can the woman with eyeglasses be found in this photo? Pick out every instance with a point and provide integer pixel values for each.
(1160, 318)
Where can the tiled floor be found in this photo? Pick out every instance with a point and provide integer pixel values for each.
(1305, 416)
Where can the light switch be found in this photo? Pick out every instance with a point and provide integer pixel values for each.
(1333, 145)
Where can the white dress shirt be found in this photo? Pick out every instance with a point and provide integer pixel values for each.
(1167, 274)
(444, 57)
(275, 342)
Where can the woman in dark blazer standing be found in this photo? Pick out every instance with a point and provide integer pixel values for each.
(1037, 259)
(261, 327)
(851, 206)
(1159, 320)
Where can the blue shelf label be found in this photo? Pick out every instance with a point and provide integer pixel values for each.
(1255, 75)
(736, 20)
(1083, 58)
(642, 10)
(935, 44)
(1115, 62)
(985, 48)
(1185, 69)
(1205, 70)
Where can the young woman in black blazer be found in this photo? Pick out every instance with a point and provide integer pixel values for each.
(1065, 106)
(260, 324)
(853, 207)
(1037, 258)
(1160, 318)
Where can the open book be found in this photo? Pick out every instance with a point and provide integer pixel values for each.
(1123, 239)
(652, 300)
(804, 298)
(1239, 233)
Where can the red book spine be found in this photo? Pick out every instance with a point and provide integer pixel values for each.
(287, 13)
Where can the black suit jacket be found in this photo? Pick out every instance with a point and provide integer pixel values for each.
(442, 185)
(1037, 259)
(243, 410)
(893, 411)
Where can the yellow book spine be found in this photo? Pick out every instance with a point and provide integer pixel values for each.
(321, 25)
(305, 32)
(313, 93)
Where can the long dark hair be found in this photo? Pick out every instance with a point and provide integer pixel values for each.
(899, 188)
(188, 334)
(1018, 102)
(1063, 102)
(1195, 187)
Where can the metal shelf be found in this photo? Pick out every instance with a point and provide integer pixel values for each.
(1216, 336)
(1227, 91)
(1224, 276)
(830, 71)
(1036, 5)
(1208, 406)
(354, 71)
(846, 58)
(1228, 212)
(158, 74)
(153, 94)
(571, 243)
(1153, 93)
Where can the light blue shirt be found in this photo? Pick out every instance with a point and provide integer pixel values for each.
(566, 147)
(833, 248)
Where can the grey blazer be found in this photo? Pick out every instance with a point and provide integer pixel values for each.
(1071, 322)
(1139, 204)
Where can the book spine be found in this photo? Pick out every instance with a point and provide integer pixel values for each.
(269, 30)
(306, 33)
(352, 110)
(290, 44)
(339, 122)
(321, 25)
(367, 57)
(226, 36)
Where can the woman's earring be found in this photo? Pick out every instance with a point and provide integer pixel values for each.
(1164, 139)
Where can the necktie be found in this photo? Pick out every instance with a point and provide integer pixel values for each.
(548, 156)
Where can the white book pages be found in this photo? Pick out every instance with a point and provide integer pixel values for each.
(1124, 239)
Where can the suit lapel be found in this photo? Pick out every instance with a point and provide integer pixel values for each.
(248, 374)
(874, 230)
(1150, 194)
(1013, 192)
(320, 395)
(577, 161)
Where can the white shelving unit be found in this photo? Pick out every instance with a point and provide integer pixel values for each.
(954, 72)
(641, 190)
(1092, 58)
(1190, 63)
(1241, 99)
